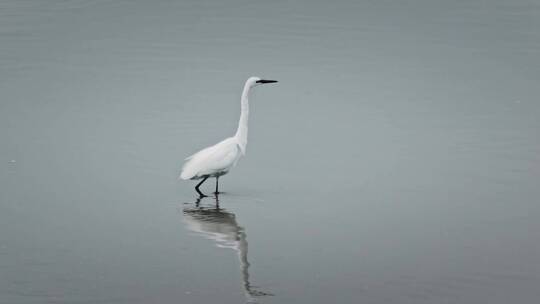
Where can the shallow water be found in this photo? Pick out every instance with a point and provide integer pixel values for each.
(396, 161)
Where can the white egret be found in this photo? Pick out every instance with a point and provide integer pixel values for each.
(218, 159)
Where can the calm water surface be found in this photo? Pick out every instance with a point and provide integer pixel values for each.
(396, 161)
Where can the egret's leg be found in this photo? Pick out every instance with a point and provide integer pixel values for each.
(199, 184)
(217, 183)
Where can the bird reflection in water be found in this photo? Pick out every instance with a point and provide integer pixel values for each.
(220, 225)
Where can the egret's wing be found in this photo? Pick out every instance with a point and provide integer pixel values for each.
(221, 158)
(200, 153)
(193, 163)
(212, 159)
(217, 160)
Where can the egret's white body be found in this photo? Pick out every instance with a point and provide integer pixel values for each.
(218, 159)
(213, 161)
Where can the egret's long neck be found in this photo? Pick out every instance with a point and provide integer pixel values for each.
(242, 131)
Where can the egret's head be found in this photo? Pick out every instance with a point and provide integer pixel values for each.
(255, 81)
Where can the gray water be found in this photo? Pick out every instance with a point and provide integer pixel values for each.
(396, 161)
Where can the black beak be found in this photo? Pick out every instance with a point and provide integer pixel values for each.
(265, 81)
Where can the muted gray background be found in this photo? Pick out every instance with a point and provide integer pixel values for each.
(396, 161)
